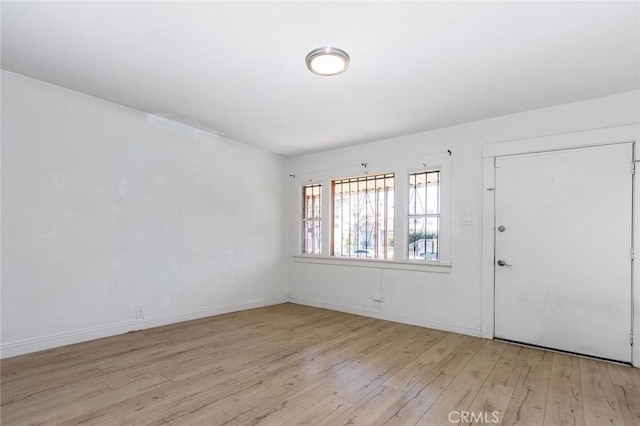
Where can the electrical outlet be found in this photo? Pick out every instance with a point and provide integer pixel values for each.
(139, 313)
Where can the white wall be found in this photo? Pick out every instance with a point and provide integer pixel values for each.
(450, 301)
(106, 209)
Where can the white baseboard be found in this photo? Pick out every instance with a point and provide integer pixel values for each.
(47, 342)
(467, 329)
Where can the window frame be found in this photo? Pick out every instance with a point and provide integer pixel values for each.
(304, 220)
(362, 177)
(441, 163)
(401, 168)
(425, 215)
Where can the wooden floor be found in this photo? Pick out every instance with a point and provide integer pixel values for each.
(291, 364)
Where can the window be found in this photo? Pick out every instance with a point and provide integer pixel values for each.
(363, 215)
(424, 215)
(396, 216)
(312, 219)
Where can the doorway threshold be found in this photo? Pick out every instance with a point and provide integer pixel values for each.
(560, 351)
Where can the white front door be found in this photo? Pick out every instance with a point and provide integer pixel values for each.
(563, 250)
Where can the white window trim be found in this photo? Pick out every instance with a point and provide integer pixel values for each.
(401, 170)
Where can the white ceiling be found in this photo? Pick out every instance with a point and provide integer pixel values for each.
(237, 69)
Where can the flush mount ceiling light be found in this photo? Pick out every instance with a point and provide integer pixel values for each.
(327, 61)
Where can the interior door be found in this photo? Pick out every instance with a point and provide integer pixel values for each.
(563, 250)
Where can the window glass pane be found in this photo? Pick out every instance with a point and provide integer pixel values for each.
(312, 237)
(417, 194)
(433, 193)
(363, 217)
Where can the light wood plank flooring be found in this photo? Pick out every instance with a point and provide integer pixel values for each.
(292, 365)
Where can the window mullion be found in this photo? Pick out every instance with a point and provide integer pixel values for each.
(328, 219)
(401, 207)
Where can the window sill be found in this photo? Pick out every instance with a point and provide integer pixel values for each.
(437, 267)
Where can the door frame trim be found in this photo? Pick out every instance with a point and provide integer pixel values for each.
(607, 136)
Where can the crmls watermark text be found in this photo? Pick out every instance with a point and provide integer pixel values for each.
(472, 417)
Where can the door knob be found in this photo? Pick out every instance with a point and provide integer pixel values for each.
(502, 263)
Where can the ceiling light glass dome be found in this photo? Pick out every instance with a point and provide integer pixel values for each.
(328, 61)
